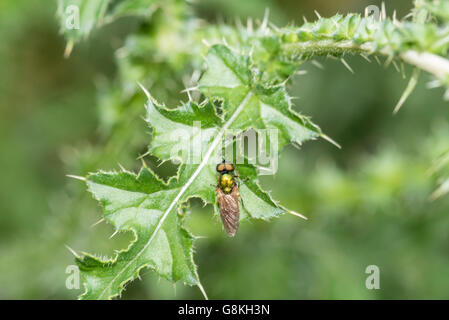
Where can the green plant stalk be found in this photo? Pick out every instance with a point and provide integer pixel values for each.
(432, 63)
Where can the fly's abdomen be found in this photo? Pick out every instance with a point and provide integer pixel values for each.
(229, 210)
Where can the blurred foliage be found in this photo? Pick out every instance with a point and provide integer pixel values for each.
(368, 203)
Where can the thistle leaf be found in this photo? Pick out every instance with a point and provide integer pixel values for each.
(230, 77)
(137, 204)
(194, 135)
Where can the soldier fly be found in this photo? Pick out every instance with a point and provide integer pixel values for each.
(228, 197)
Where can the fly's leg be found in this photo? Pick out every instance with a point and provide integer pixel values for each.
(217, 185)
(238, 177)
(241, 182)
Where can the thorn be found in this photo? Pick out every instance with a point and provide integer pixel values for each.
(76, 177)
(297, 214)
(202, 291)
(317, 14)
(72, 251)
(115, 232)
(190, 89)
(408, 16)
(121, 167)
(384, 12)
(442, 42)
(335, 23)
(347, 65)
(144, 119)
(317, 64)
(174, 288)
(251, 51)
(411, 85)
(144, 90)
(144, 164)
(446, 95)
(160, 163)
(223, 39)
(304, 19)
(395, 20)
(442, 190)
(96, 223)
(364, 56)
(204, 41)
(68, 49)
(189, 95)
(433, 84)
(396, 66)
(249, 25)
(301, 72)
(388, 61)
(265, 19)
(272, 25)
(144, 155)
(403, 70)
(377, 59)
(195, 76)
(328, 139)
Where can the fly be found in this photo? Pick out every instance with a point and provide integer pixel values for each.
(228, 197)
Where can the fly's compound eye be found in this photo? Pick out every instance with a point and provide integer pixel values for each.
(225, 167)
(221, 167)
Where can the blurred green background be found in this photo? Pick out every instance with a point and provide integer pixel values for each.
(367, 203)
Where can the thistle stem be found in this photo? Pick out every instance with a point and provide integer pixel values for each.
(432, 63)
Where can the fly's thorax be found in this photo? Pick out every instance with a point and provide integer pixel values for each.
(226, 182)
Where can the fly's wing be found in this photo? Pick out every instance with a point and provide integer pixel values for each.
(229, 210)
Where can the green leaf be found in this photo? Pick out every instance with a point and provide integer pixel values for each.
(138, 204)
(193, 135)
(229, 79)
